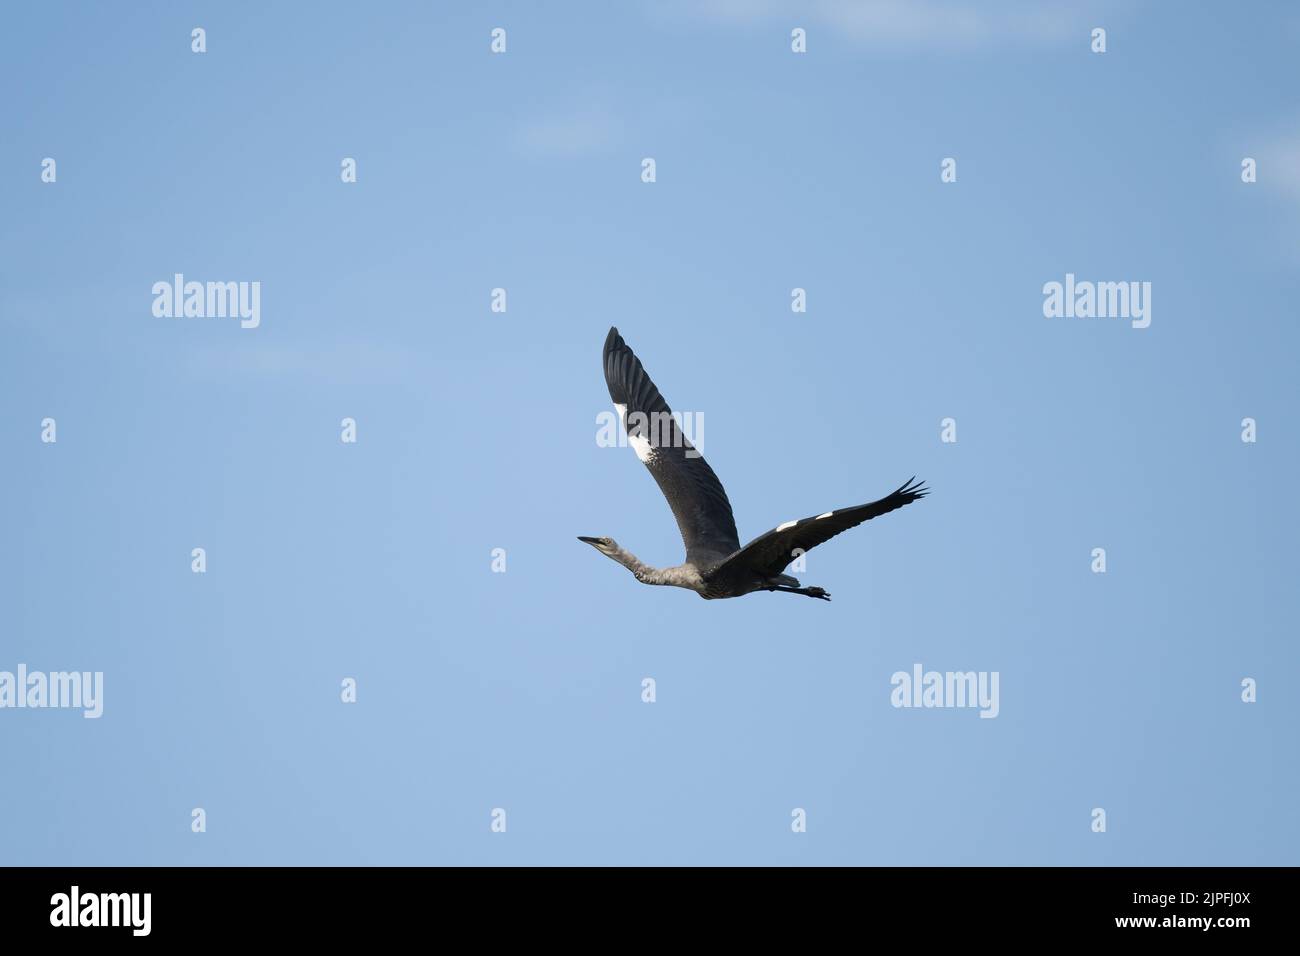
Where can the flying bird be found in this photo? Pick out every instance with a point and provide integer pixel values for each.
(716, 566)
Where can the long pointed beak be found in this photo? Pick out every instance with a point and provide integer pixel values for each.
(588, 540)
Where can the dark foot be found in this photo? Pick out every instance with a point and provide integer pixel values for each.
(811, 592)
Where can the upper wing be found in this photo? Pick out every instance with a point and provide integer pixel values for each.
(693, 491)
(769, 553)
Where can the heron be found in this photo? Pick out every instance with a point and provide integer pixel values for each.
(716, 566)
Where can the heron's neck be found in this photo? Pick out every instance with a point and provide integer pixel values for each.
(679, 577)
(644, 572)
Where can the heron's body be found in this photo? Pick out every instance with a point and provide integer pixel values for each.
(716, 566)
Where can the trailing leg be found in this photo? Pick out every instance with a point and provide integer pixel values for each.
(813, 592)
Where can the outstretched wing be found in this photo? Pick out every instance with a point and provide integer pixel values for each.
(769, 553)
(693, 491)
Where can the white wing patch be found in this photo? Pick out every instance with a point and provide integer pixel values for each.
(826, 515)
(644, 450)
(788, 524)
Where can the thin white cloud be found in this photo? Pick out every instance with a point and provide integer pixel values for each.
(909, 24)
(1278, 172)
(1279, 164)
(578, 132)
(337, 364)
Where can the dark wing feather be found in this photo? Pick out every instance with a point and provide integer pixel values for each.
(693, 491)
(769, 553)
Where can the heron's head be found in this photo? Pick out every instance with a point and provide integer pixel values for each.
(606, 546)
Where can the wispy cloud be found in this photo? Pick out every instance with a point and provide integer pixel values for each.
(910, 24)
(589, 129)
(342, 363)
(1278, 171)
(1279, 163)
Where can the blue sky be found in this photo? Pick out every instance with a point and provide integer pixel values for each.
(476, 430)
